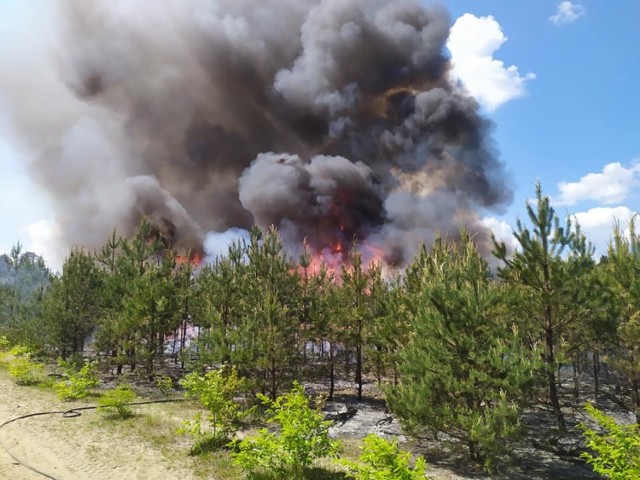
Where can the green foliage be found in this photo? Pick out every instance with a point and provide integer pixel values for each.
(70, 305)
(23, 279)
(116, 402)
(383, 460)
(302, 437)
(4, 350)
(77, 382)
(359, 296)
(617, 447)
(153, 308)
(165, 384)
(139, 300)
(551, 266)
(215, 390)
(25, 371)
(623, 270)
(465, 369)
(21, 351)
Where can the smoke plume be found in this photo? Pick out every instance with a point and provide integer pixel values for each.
(325, 118)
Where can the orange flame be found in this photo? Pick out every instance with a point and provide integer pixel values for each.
(194, 258)
(333, 259)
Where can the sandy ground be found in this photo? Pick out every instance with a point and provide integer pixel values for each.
(70, 448)
(86, 448)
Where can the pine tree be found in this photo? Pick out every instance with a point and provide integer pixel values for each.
(132, 322)
(16, 261)
(547, 278)
(71, 305)
(382, 330)
(464, 368)
(268, 336)
(154, 308)
(218, 307)
(355, 283)
(592, 326)
(112, 333)
(623, 267)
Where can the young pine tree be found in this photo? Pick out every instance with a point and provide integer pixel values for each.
(623, 269)
(548, 279)
(464, 369)
(71, 304)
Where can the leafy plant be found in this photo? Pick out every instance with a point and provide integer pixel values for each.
(116, 402)
(215, 390)
(165, 384)
(383, 460)
(4, 347)
(21, 351)
(617, 447)
(302, 437)
(78, 381)
(25, 371)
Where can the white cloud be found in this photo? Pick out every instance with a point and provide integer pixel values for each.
(566, 13)
(597, 224)
(472, 43)
(613, 185)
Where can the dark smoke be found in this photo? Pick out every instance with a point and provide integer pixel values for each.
(328, 119)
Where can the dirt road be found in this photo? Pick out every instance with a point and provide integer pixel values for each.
(70, 448)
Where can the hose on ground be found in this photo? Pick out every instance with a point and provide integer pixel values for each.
(71, 413)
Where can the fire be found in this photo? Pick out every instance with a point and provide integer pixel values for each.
(193, 258)
(336, 257)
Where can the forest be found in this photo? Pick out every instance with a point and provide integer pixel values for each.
(452, 345)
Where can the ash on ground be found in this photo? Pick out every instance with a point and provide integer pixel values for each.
(541, 454)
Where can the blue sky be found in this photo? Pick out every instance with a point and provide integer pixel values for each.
(567, 116)
(579, 113)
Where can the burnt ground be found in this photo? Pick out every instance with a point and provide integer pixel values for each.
(540, 454)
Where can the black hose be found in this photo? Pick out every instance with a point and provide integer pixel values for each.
(71, 413)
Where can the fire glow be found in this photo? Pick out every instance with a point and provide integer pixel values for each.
(338, 256)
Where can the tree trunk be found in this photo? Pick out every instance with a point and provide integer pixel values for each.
(576, 377)
(274, 386)
(359, 370)
(331, 372)
(551, 378)
(596, 374)
(183, 342)
(635, 396)
(359, 360)
(174, 353)
(474, 452)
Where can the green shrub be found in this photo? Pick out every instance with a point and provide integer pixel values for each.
(116, 402)
(617, 447)
(383, 460)
(165, 384)
(21, 351)
(77, 381)
(216, 391)
(25, 371)
(302, 437)
(4, 350)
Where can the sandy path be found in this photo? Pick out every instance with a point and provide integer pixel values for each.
(70, 448)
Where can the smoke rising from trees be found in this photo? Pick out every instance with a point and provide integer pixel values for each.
(328, 119)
